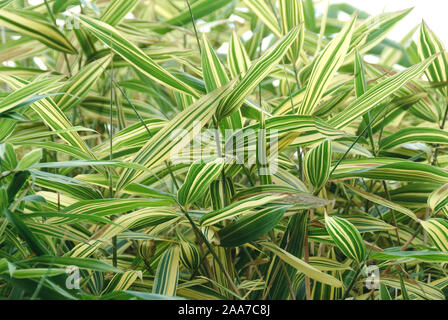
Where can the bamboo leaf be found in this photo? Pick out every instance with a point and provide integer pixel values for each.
(429, 44)
(377, 94)
(24, 22)
(325, 66)
(303, 267)
(165, 282)
(256, 73)
(238, 59)
(438, 200)
(317, 164)
(117, 10)
(158, 148)
(250, 227)
(346, 237)
(383, 202)
(410, 135)
(437, 230)
(292, 15)
(200, 175)
(133, 55)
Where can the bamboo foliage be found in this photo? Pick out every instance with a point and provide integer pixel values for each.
(217, 149)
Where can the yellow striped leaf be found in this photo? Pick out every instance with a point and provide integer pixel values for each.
(238, 59)
(80, 84)
(25, 23)
(303, 267)
(238, 208)
(325, 67)
(167, 274)
(199, 177)
(292, 15)
(265, 14)
(437, 230)
(346, 237)
(317, 164)
(133, 54)
(117, 10)
(158, 148)
(256, 73)
(438, 200)
(383, 202)
(429, 44)
(377, 94)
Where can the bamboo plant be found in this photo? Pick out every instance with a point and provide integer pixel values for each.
(316, 164)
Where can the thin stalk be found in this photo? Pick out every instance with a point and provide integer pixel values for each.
(147, 130)
(288, 279)
(386, 191)
(299, 149)
(353, 144)
(406, 245)
(194, 26)
(360, 266)
(272, 279)
(257, 270)
(111, 133)
(352, 283)
(203, 239)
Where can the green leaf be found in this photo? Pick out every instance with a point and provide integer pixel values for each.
(377, 94)
(437, 230)
(200, 175)
(251, 227)
(325, 67)
(415, 134)
(199, 9)
(215, 75)
(302, 266)
(317, 164)
(117, 10)
(238, 59)
(28, 94)
(256, 73)
(396, 170)
(167, 274)
(24, 22)
(429, 44)
(17, 183)
(29, 159)
(53, 117)
(170, 139)
(238, 208)
(346, 237)
(82, 263)
(383, 202)
(80, 84)
(133, 54)
(35, 244)
(438, 200)
(416, 289)
(292, 15)
(427, 256)
(265, 14)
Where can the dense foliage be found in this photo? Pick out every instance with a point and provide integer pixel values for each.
(332, 183)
